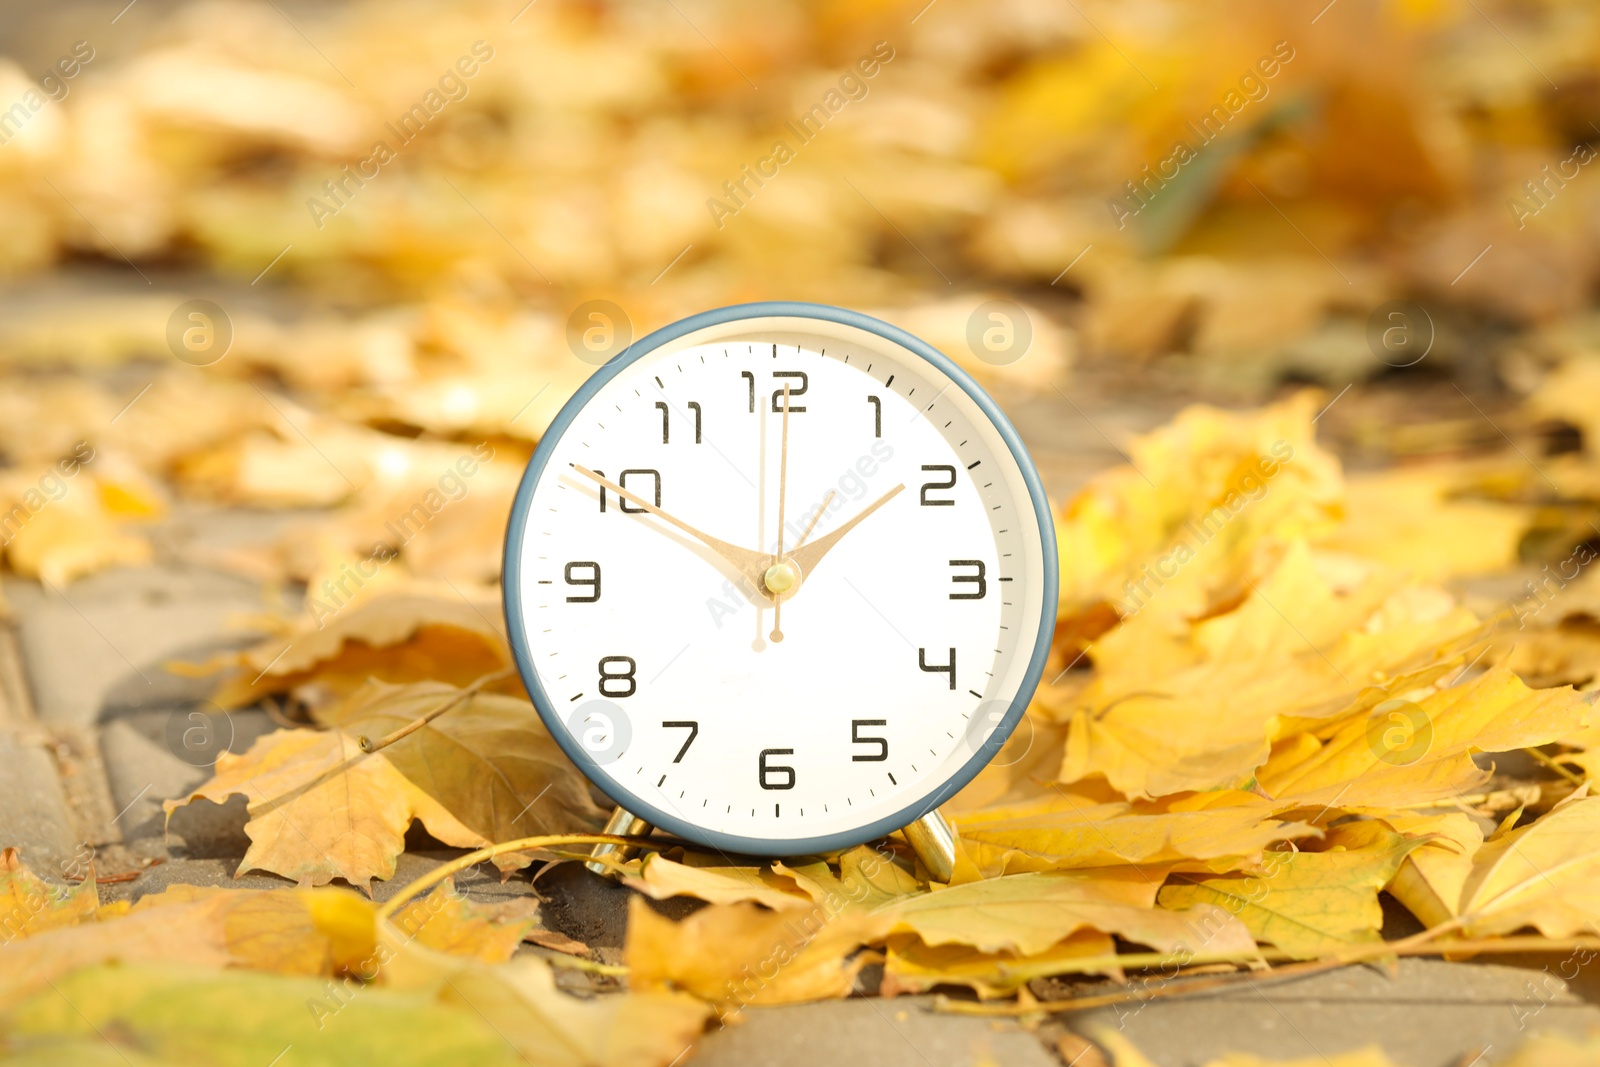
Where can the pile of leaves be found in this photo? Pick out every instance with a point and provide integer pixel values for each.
(1257, 725)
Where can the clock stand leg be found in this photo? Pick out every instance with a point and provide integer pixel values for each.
(624, 822)
(934, 841)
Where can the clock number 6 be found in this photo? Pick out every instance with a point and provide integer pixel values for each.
(770, 769)
(856, 738)
(936, 668)
(626, 684)
(694, 732)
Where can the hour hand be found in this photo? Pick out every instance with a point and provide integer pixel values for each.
(749, 564)
(809, 555)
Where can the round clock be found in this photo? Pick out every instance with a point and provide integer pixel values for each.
(780, 579)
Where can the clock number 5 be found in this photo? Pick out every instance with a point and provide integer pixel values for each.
(856, 738)
(770, 770)
(938, 668)
(694, 732)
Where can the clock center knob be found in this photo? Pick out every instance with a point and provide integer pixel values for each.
(781, 577)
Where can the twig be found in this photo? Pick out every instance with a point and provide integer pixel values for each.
(369, 746)
(521, 844)
(1554, 765)
(1405, 946)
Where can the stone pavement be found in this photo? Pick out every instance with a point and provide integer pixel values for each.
(94, 734)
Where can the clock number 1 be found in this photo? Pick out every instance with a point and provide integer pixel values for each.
(938, 668)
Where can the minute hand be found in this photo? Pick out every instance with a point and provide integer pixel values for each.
(809, 555)
(750, 564)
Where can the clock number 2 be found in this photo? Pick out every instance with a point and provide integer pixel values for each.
(769, 771)
(927, 487)
(938, 668)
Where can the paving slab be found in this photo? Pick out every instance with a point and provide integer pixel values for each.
(883, 1033)
(34, 816)
(103, 643)
(1423, 1013)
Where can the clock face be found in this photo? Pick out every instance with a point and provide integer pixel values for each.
(780, 640)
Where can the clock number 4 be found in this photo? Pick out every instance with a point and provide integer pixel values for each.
(938, 668)
(666, 419)
(775, 775)
(622, 480)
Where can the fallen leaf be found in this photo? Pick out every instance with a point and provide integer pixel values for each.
(732, 955)
(1309, 904)
(488, 761)
(1433, 761)
(320, 808)
(1028, 914)
(31, 905)
(910, 966)
(1063, 831)
(1542, 875)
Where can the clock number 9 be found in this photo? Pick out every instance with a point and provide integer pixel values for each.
(769, 770)
(625, 683)
(592, 581)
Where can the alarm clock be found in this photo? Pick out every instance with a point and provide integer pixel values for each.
(780, 579)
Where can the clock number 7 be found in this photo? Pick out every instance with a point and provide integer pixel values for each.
(694, 732)
(938, 668)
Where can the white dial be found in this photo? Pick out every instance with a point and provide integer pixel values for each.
(789, 626)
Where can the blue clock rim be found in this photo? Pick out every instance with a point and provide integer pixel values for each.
(512, 581)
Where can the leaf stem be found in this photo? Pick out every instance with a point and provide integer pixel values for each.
(369, 746)
(521, 844)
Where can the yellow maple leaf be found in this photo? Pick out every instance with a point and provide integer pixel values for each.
(1307, 903)
(321, 809)
(30, 905)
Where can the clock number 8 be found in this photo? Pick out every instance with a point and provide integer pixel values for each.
(626, 684)
(768, 770)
